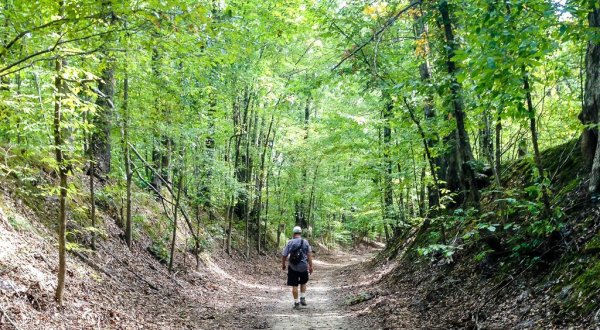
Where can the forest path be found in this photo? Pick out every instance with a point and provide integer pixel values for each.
(322, 296)
(258, 298)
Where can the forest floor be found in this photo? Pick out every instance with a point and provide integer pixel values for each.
(117, 288)
(257, 298)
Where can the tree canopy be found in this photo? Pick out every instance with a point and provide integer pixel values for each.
(357, 120)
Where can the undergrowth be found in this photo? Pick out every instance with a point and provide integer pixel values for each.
(512, 235)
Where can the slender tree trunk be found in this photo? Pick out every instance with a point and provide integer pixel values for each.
(247, 231)
(197, 241)
(431, 160)
(388, 195)
(534, 140)
(210, 154)
(127, 161)
(300, 204)
(230, 224)
(62, 174)
(312, 195)
(402, 215)
(92, 195)
(261, 177)
(384, 210)
(498, 158)
(422, 206)
(416, 181)
(486, 145)
(591, 108)
(175, 213)
(266, 220)
(242, 161)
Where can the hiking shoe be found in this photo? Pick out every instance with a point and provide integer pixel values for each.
(303, 301)
(296, 305)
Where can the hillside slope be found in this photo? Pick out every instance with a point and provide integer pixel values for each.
(112, 287)
(554, 282)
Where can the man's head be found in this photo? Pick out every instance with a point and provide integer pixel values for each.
(297, 230)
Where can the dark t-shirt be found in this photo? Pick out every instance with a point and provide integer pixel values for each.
(292, 245)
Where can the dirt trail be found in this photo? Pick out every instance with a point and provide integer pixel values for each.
(257, 297)
(323, 310)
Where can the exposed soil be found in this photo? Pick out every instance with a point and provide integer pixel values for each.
(118, 288)
(261, 300)
(115, 288)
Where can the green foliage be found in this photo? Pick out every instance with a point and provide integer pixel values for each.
(19, 223)
(206, 244)
(439, 251)
(207, 79)
(159, 250)
(72, 246)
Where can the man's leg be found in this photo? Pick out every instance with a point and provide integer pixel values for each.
(293, 282)
(302, 294)
(295, 294)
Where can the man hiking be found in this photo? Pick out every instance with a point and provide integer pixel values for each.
(299, 254)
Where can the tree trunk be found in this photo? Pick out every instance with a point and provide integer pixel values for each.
(463, 146)
(301, 218)
(197, 240)
(312, 196)
(590, 112)
(230, 224)
(534, 140)
(92, 195)
(62, 174)
(435, 162)
(210, 154)
(266, 220)
(261, 176)
(382, 195)
(127, 161)
(402, 215)
(388, 195)
(162, 144)
(175, 213)
(486, 145)
(102, 119)
(102, 122)
(431, 160)
(498, 157)
(242, 161)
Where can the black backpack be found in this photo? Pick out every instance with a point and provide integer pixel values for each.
(297, 254)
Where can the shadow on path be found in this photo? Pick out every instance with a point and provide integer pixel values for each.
(323, 310)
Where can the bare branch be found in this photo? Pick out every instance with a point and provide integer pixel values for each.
(387, 24)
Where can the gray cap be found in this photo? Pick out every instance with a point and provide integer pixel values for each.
(297, 230)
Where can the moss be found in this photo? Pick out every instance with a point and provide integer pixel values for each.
(567, 188)
(586, 289)
(563, 163)
(593, 245)
(19, 223)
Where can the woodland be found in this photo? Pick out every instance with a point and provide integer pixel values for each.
(155, 154)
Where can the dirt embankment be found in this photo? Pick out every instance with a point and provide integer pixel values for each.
(554, 285)
(117, 288)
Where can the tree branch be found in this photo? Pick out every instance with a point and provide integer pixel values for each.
(387, 24)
